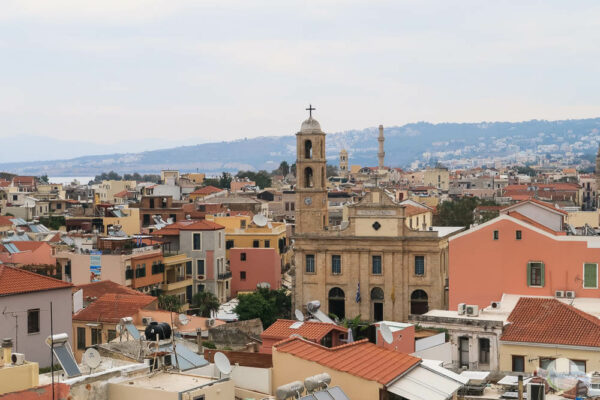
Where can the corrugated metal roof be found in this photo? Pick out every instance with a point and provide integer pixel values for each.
(18, 221)
(11, 248)
(38, 228)
(422, 384)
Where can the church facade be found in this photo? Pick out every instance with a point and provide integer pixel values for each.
(373, 264)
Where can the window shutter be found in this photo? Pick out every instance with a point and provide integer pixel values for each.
(589, 276)
(528, 274)
(543, 273)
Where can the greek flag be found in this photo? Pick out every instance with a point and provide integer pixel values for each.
(358, 293)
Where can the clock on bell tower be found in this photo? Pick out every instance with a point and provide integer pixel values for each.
(311, 177)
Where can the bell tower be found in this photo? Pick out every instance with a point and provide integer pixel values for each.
(311, 177)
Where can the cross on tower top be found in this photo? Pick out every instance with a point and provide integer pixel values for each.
(310, 109)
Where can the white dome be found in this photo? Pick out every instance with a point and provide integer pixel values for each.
(311, 125)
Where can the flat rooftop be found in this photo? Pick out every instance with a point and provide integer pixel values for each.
(169, 382)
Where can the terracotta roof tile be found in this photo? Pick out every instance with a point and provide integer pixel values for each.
(207, 190)
(111, 307)
(188, 225)
(17, 281)
(5, 221)
(361, 358)
(96, 290)
(309, 330)
(547, 320)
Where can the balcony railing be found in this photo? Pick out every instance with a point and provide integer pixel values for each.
(224, 275)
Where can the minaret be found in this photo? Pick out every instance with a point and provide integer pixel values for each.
(381, 153)
(311, 178)
(344, 163)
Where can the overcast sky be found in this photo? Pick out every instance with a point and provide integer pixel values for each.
(219, 70)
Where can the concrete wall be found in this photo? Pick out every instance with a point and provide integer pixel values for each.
(260, 265)
(442, 352)
(541, 215)
(579, 218)
(18, 377)
(13, 321)
(532, 354)
(288, 368)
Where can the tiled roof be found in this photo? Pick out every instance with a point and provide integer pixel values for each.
(538, 202)
(309, 330)
(188, 225)
(5, 221)
(410, 210)
(31, 245)
(361, 358)
(112, 307)
(207, 190)
(17, 281)
(547, 320)
(95, 290)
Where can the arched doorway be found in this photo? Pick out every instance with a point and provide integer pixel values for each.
(377, 299)
(337, 302)
(419, 302)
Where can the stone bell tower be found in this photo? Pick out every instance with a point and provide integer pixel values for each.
(344, 163)
(311, 178)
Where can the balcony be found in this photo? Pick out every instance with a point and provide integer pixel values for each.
(180, 283)
(224, 275)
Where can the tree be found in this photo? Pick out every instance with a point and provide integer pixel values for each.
(358, 326)
(266, 304)
(262, 177)
(44, 178)
(331, 170)
(293, 169)
(169, 303)
(205, 302)
(283, 169)
(457, 212)
(225, 180)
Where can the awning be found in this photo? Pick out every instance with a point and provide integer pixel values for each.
(423, 384)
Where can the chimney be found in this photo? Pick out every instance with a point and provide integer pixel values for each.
(7, 350)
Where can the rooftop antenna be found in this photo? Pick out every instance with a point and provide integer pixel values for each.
(222, 363)
(386, 333)
(299, 315)
(260, 220)
(91, 358)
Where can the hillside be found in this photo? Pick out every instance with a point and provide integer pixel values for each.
(451, 143)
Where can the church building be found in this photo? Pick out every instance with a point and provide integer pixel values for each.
(373, 264)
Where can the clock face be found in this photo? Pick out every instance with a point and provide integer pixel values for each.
(307, 201)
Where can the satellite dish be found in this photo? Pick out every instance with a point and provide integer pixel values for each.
(222, 363)
(91, 358)
(183, 319)
(299, 315)
(260, 220)
(386, 333)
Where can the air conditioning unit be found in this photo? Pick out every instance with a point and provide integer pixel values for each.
(495, 305)
(18, 358)
(559, 294)
(569, 294)
(146, 321)
(472, 310)
(462, 308)
(211, 322)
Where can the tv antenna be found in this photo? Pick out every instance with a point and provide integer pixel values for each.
(386, 333)
(260, 220)
(222, 363)
(299, 315)
(91, 358)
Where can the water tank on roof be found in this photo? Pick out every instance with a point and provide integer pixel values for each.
(157, 330)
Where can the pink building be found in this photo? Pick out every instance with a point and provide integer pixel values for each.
(524, 251)
(251, 266)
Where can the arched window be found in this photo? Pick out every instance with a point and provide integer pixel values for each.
(419, 302)
(308, 177)
(377, 299)
(307, 149)
(337, 302)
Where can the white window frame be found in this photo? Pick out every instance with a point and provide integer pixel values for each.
(583, 275)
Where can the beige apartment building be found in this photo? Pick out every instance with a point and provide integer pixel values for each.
(438, 178)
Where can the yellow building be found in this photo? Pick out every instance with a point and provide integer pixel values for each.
(579, 219)
(14, 378)
(129, 221)
(107, 190)
(438, 178)
(241, 232)
(567, 333)
(178, 277)
(196, 178)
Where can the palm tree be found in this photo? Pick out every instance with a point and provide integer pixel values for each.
(169, 303)
(205, 302)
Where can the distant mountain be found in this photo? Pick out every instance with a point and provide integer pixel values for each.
(450, 143)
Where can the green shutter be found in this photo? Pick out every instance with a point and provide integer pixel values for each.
(528, 274)
(590, 272)
(543, 273)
